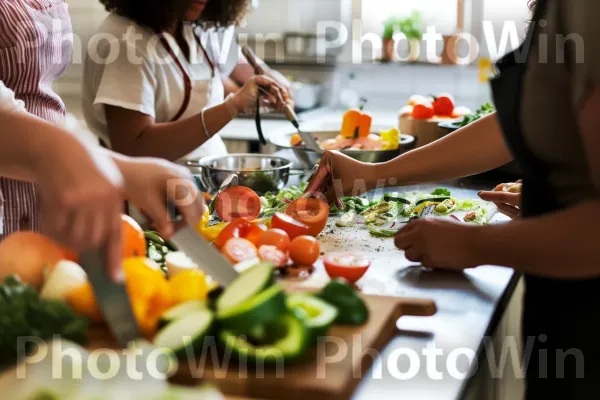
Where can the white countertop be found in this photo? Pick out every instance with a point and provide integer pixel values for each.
(467, 304)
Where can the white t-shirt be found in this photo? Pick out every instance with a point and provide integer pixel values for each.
(126, 66)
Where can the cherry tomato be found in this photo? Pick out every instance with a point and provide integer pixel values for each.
(273, 255)
(237, 202)
(235, 229)
(443, 105)
(237, 250)
(311, 212)
(423, 111)
(277, 238)
(289, 225)
(305, 250)
(348, 265)
(254, 233)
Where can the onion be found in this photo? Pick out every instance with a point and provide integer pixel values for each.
(178, 261)
(65, 277)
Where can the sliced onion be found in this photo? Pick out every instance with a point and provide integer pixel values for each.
(66, 276)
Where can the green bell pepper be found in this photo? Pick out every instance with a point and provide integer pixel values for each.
(352, 310)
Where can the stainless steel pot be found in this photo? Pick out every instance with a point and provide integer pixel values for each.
(261, 173)
(309, 158)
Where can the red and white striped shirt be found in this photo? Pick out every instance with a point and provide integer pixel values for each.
(35, 49)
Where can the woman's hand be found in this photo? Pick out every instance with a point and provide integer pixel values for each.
(272, 94)
(150, 182)
(439, 244)
(339, 175)
(82, 199)
(507, 197)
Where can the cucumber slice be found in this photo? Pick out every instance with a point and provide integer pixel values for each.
(317, 314)
(185, 333)
(250, 283)
(264, 308)
(292, 343)
(180, 311)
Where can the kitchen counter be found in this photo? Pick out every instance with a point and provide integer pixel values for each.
(470, 306)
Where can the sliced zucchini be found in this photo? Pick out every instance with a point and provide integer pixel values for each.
(250, 283)
(180, 311)
(264, 308)
(317, 314)
(186, 334)
(290, 342)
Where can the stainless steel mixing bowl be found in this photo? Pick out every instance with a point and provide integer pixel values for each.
(261, 173)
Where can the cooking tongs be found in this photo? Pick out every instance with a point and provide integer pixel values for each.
(307, 138)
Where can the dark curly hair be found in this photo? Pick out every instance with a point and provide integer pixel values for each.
(160, 15)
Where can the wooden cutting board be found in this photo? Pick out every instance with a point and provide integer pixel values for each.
(332, 370)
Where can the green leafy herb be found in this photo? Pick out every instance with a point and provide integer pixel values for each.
(272, 203)
(24, 313)
(484, 110)
(441, 192)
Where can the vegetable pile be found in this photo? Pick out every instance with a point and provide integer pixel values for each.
(429, 107)
(272, 203)
(255, 320)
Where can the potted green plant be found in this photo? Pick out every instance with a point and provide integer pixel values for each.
(412, 27)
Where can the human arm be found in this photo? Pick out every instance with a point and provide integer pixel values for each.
(476, 148)
(137, 134)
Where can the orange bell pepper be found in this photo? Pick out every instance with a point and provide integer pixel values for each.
(355, 124)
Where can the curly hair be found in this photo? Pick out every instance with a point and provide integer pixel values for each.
(160, 15)
(531, 5)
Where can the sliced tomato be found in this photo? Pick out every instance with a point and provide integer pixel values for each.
(311, 212)
(289, 225)
(254, 233)
(237, 202)
(423, 111)
(237, 250)
(348, 265)
(305, 250)
(443, 105)
(273, 255)
(235, 229)
(277, 238)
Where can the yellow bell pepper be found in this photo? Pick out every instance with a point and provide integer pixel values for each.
(188, 285)
(421, 206)
(262, 221)
(210, 233)
(391, 139)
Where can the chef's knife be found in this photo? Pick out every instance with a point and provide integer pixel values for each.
(201, 252)
(112, 298)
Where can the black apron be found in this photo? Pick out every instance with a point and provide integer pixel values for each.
(559, 315)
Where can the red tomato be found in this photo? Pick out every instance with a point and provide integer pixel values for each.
(237, 250)
(237, 202)
(254, 233)
(305, 250)
(311, 212)
(277, 238)
(235, 229)
(443, 105)
(289, 225)
(350, 266)
(423, 111)
(273, 255)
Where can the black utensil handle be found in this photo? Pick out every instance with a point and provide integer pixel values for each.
(261, 137)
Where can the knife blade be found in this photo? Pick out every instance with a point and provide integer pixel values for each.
(200, 251)
(209, 259)
(112, 298)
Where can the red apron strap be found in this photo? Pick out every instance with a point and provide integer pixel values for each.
(187, 82)
(212, 66)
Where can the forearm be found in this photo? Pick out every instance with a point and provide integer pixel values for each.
(559, 245)
(172, 140)
(476, 148)
(28, 142)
